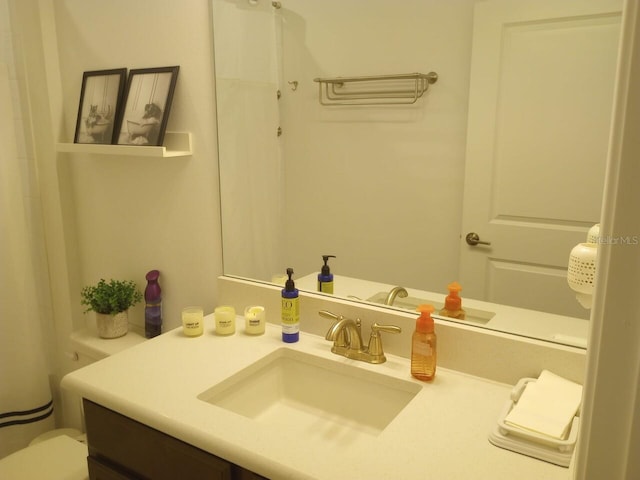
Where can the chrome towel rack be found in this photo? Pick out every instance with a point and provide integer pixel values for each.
(397, 89)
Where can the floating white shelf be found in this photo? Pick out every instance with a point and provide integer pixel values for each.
(176, 144)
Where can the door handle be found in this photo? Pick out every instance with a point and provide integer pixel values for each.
(473, 239)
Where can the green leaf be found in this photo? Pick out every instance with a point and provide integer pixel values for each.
(110, 298)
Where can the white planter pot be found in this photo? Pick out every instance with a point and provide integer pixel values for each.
(112, 326)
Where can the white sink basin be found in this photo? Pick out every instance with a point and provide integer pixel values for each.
(320, 397)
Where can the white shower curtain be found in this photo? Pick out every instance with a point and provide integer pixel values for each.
(251, 163)
(25, 396)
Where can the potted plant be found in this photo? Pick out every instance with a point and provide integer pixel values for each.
(111, 301)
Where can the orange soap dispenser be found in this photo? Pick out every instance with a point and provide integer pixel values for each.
(423, 345)
(453, 303)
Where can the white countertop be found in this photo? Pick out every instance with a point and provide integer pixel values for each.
(441, 434)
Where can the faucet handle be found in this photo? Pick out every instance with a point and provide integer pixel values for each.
(375, 342)
(375, 328)
(330, 315)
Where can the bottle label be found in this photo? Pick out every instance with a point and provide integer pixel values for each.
(152, 320)
(290, 329)
(325, 287)
(423, 349)
(290, 315)
(153, 314)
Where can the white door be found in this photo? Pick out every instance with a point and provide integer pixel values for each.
(542, 78)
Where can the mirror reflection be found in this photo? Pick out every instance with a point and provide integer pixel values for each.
(509, 144)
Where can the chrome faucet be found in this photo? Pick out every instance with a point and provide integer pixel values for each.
(346, 336)
(395, 292)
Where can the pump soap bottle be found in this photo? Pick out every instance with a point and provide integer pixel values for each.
(325, 277)
(453, 303)
(290, 311)
(423, 346)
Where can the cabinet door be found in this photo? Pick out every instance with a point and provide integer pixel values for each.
(100, 471)
(239, 473)
(141, 451)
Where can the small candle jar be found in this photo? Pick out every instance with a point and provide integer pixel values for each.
(254, 319)
(225, 317)
(192, 321)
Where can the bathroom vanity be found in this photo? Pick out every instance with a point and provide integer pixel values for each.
(121, 448)
(247, 407)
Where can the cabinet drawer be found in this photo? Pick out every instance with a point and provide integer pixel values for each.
(144, 451)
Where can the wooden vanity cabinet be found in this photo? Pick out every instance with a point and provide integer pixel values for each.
(123, 449)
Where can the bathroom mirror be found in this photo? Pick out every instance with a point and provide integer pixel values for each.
(382, 187)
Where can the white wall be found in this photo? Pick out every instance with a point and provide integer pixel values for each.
(131, 214)
(112, 217)
(107, 216)
(401, 167)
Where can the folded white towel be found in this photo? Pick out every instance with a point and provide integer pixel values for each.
(547, 406)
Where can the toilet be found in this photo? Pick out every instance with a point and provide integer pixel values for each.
(61, 454)
(60, 457)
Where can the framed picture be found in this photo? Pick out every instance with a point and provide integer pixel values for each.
(147, 103)
(100, 101)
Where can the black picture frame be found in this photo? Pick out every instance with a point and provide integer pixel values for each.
(100, 103)
(147, 103)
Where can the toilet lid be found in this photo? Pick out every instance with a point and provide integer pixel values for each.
(59, 458)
